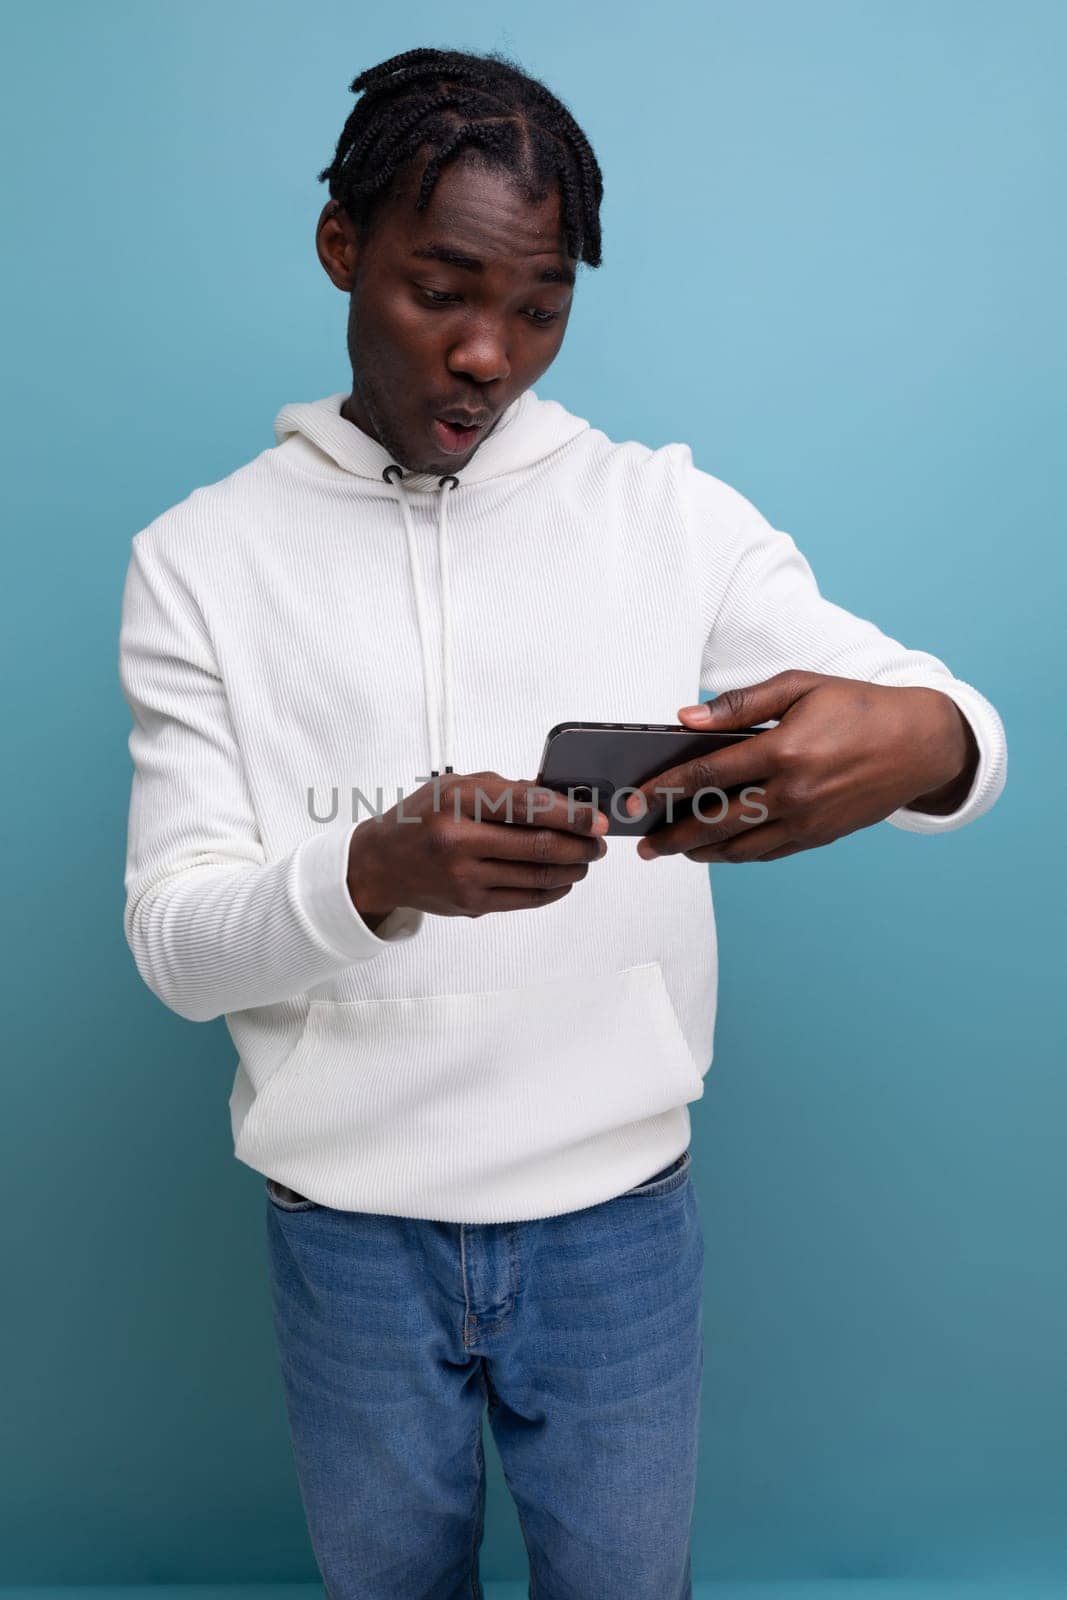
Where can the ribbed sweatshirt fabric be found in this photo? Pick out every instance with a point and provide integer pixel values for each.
(310, 638)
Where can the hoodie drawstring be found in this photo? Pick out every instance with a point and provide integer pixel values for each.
(444, 485)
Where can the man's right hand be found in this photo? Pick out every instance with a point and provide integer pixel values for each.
(464, 857)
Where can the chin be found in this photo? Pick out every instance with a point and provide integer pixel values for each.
(439, 467)
(448, 464)
(411, 463)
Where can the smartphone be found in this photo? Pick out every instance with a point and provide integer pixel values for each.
(591, 760)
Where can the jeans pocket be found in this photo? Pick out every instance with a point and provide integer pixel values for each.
(286, 1199)
(666, 1182)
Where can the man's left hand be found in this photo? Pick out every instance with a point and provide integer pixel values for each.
(844, 754)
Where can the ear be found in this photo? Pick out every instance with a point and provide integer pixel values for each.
(336, 245)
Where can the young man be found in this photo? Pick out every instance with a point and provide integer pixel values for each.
(474, 1128)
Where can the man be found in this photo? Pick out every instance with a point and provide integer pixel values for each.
(474, 1127)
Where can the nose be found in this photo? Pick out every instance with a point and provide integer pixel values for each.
(481, 355)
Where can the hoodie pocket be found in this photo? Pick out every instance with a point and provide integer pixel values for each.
(491, 1079)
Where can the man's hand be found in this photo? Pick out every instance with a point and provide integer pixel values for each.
(471, 843)
(845, 753)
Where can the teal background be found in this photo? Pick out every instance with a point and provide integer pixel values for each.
(834, 264)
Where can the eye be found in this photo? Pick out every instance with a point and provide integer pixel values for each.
(439, 297)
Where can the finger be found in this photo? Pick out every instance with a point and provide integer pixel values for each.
(527, 875)
(496, 841)
(522, 899)
(488, 797)
(755, 845)
(711, 823)
(747, 762)
(755, 702)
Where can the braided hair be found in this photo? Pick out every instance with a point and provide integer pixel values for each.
(447, 100)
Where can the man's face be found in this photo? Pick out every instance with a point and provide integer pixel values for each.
(427, 336)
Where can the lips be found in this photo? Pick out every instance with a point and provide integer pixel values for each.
(453, 438)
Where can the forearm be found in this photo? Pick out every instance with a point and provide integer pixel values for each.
(211, 939)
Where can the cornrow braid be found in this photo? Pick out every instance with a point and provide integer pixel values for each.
(445, 101)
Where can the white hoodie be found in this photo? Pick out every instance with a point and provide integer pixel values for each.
(308, 625)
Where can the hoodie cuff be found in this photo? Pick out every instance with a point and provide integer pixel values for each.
(321, 891)
(990, 773)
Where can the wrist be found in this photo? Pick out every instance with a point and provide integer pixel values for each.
(957, 748)
(364, 890)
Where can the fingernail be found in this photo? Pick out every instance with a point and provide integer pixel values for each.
(700, 713)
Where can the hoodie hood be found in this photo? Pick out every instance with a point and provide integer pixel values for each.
(325, 441)
(529, 430)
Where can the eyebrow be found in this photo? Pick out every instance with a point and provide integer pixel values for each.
(456, 258)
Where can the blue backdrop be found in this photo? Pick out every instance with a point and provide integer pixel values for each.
(834, 264)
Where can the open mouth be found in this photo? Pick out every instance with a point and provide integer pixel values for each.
(454, 440)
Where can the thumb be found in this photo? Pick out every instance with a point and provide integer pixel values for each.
(757, 702)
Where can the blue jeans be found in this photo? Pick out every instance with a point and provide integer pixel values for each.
(581, 1333)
